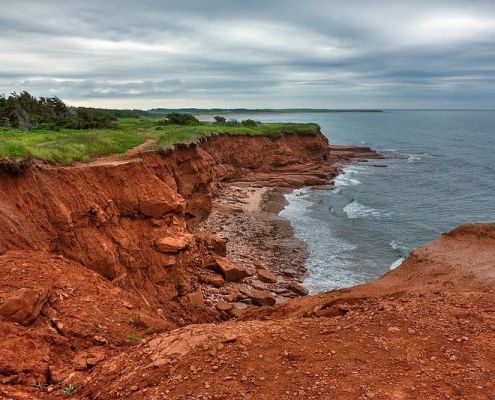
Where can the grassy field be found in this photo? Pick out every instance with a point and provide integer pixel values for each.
(66, 146)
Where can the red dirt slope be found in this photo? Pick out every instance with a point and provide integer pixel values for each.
(423, 331)
(95, 257)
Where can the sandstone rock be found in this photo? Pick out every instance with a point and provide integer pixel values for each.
(214, 243)
(144, 321)
(171, 245)
(230, 298)
(100, 340)
(298, 289)
(80, 362)
(261, 298)
(266, 276)
(223, 306)
(230, 271)
(209, 262)
(93, 359)
(24, 307)
(196, 298)
(280, 290)
(103, 256)
(240, 306)
(157, 222)
(156, 208)
(213, 280)
(236, 312)
(290, 272)
(256, 284)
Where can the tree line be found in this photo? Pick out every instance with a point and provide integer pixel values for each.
(26, 112)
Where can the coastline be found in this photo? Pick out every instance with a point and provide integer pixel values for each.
(428, 325)
(259, 239)
(261, 243)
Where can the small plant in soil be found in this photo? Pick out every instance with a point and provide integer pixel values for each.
(41, 386)
(66, 391)
(133, 338)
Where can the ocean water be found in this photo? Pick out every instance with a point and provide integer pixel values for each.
(440, 170)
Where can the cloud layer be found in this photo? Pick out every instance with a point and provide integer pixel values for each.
(276, 54)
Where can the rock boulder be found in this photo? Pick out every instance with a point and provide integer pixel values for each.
(266, 276)
(171, 245)
(261, 297)
(230, 271)
(25, 306)
(298, 289)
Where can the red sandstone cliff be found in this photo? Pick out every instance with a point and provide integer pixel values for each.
(93, 253)
(422, 331)
(93, 257)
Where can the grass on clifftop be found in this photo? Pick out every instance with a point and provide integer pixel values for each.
(66, 146)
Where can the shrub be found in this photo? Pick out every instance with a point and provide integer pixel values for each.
(182, 119)
(219, 120)
(249, 122)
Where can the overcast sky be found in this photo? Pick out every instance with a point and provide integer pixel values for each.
(251, 53)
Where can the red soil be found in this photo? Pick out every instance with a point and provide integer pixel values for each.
(104, 281)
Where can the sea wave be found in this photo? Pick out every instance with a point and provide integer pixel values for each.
(413, 158)
(345, 180)
(356, 210)
(396, 245)
(348, 176)
(397, 263)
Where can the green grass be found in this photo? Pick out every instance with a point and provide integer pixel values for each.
(66, 391)
(133, 338)
(67, 146)
(169, 135)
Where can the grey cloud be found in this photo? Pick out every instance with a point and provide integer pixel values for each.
(280, 53)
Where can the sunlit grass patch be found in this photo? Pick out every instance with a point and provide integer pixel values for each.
(66, 146)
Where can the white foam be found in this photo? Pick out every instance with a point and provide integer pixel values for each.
(413, 158)
(298, 203)
(356, 210)
(346, 180)
(396, 245)
(396, 263)
(328, 274)
(348, 176)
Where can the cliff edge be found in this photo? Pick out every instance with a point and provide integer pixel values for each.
(110, 289)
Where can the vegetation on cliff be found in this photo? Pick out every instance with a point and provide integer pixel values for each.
(47, 129)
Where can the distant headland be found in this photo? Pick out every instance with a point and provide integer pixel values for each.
(212, 111)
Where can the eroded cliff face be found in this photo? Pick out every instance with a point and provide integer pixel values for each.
(96, 257)
(114, 218)
(93, 253)
(424, 330)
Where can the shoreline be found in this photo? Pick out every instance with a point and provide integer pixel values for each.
(245, 212)
(259, 239)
